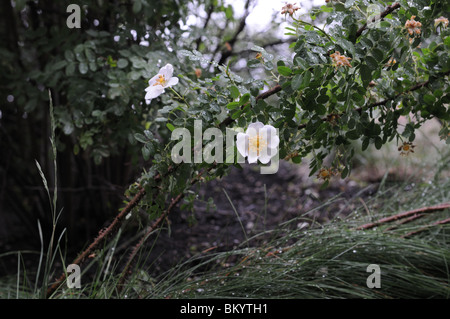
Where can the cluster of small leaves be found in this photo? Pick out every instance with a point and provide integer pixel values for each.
(315, 91)
(96, 73)
(322, 109)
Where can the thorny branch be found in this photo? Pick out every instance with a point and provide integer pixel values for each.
(405, 215)
(103, 234)
(439, 222)
(226, 53)
(127, 270)
(208, 17)
(388, 10)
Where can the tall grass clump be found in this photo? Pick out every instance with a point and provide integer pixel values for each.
(331, 260)
(33, 284)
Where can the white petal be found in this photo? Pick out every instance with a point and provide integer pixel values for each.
(264, 158)
(274, 142)
(255, 127)
(270, 129)
(173, 81)
(154, 91)
(252, 157)
(153, 80)
(242, 144)
(167, 71)
(272, 151)
(269, 133)
(266, 154)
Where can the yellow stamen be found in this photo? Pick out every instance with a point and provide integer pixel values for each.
(160, 81)
(324, 173)
(256, 144)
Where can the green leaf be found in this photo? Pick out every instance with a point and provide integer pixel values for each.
(236, 114)
(306, 79)
(371, 63)
(232, 105)
(378, 54)
(93, 66)
(90, 55)
(229, 12)
(366, 75)
(320, 109)
(234, 92)
(70, 69)
(76, 149)
(352, 135)
(59, 65)
(261, 105)
(429, 99)
(268, 66)
(322, 99)
(253, 63)
(344, 172)
(244, 99)
(284, 70)
(140, 138)
(365, 143)
(242, 122)
(148, 134)
(69, 55)
(145, 153)
(347, 46)
(297, 159)
(296, 81)
(257, 48)
(378, 142)
(447, 41)
(301, 62)
(325, 184)
(170, 126)
(83, 68)
(137, 6)
(326, 9)
(122, 63)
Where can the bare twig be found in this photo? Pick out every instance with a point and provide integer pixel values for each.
(439, 222)
(103, 234)
(226, 53)
(127, 270)
(388, 10)
(404, 221)
(404, 215)
(208, 17)
(269, 44)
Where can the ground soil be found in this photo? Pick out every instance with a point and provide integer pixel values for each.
(255, 203)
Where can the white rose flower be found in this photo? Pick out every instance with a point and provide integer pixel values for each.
(159, 82)
(259, 142)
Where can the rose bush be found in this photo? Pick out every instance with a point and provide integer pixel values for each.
(354, 68)
(350, 80)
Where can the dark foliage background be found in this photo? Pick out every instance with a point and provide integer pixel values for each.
(96, 76)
